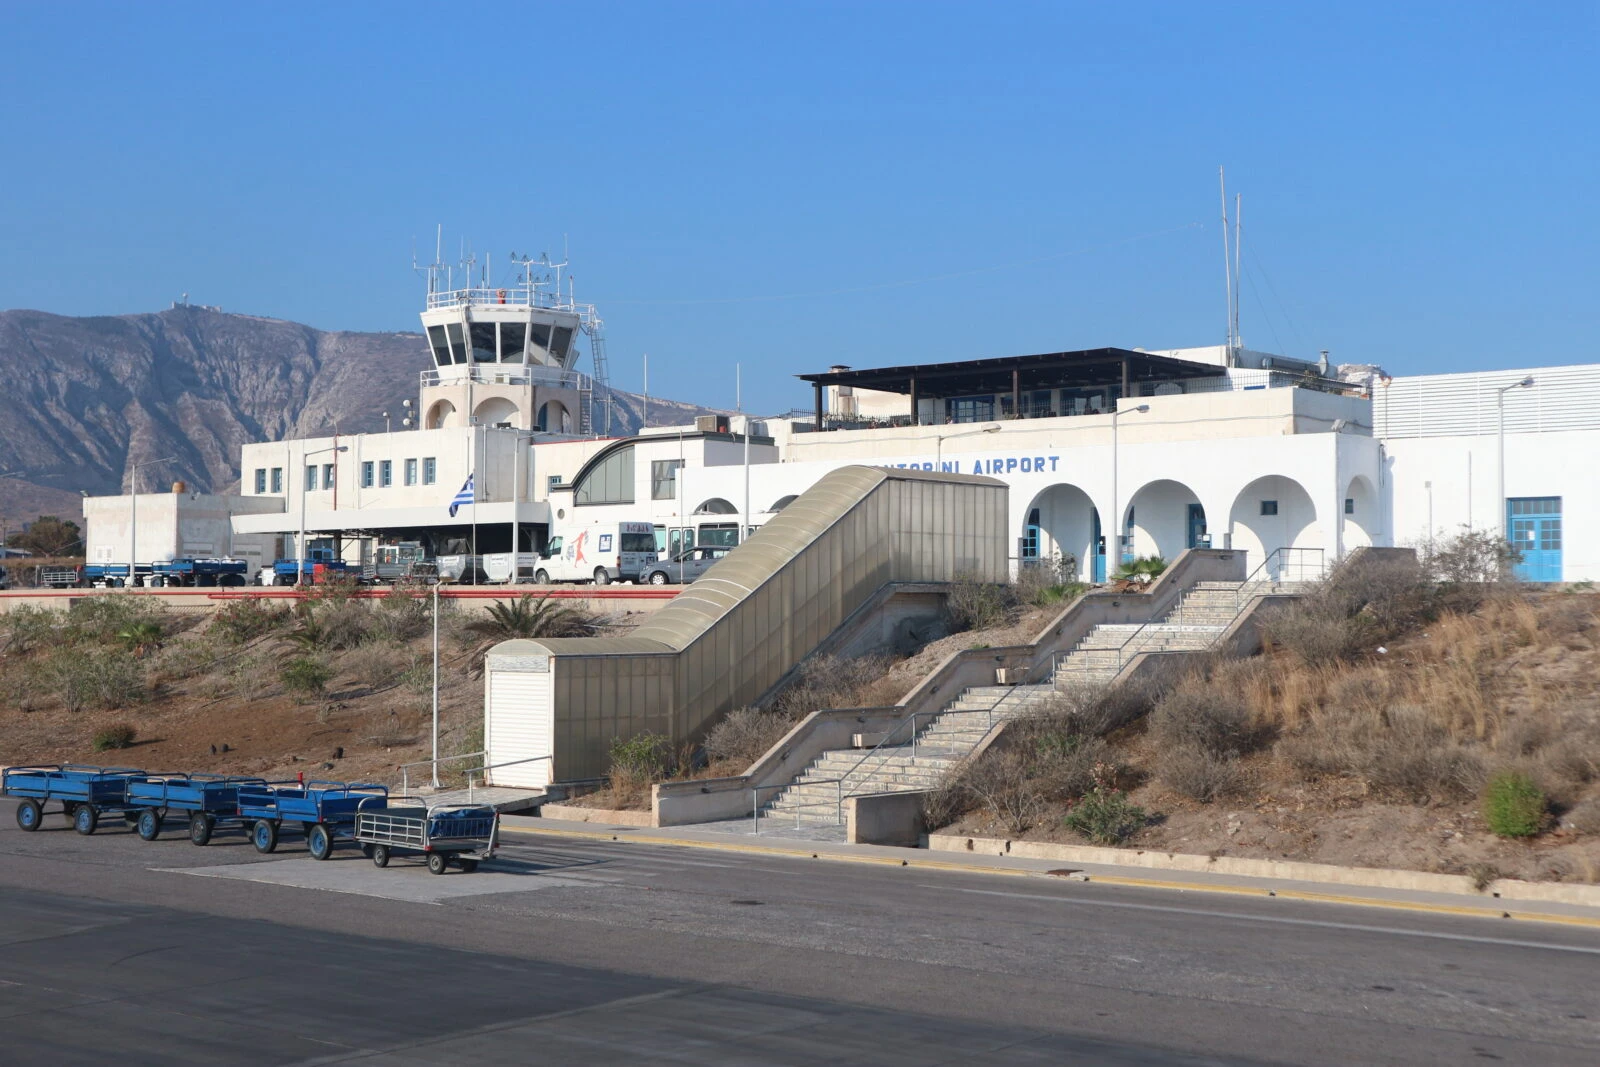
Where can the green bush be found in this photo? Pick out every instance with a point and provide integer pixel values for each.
(93, 677)
(26, 627)
(1513, 806)
(117, 735)
(642, 756)
(1106, 817)
(306, 675)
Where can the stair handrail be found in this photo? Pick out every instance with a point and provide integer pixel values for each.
(1129, 648)
(989, 719)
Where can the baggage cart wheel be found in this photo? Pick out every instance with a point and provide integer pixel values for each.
(200, 827)
(319, 841)
(264, 835)
(85, 819)
(468, 866)
(380, 855)
(28, 815)
(150, 824)
(438, 862)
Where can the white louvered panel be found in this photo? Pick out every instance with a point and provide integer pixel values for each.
(1450, 405)
(521, 726)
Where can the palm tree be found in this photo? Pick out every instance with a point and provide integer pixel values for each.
(533, 617)
(141, 637)
(1143, 570)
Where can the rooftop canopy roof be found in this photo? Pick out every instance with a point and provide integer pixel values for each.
(1047, 370)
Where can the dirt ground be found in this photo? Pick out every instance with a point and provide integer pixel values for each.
(357, 731)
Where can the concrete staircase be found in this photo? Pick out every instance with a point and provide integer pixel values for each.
(1195, 622)
(811, 805)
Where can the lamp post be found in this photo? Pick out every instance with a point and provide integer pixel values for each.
(300, 551)
(940, 439)
(436, 681)
(1116, 504)
(1500, 407)
(133, 513)
(744, 531)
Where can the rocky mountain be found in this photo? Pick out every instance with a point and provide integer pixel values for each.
(85, 397)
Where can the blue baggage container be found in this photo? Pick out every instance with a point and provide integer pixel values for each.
(84, 792)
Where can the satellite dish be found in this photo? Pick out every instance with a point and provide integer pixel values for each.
(406, 421)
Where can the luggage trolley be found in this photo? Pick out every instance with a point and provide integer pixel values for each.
(324, 810)
(208, 800)
(84, 792)
(465, 833)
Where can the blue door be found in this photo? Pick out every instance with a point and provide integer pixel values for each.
(1197, 527)
(1534, 525)
(1030, 536)
(1099, 542)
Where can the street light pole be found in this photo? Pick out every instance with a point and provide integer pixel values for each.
(436, 681)
(940, 439)
(133, 516)
(300, 550)
(1116, 503)
(1500, 405)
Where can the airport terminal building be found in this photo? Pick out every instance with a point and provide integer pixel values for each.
(1221, 446)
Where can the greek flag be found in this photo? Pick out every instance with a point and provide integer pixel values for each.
(463, 497)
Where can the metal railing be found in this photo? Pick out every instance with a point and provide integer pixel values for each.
(514, 296)
(1282, 566)
(506, 374)
(882, 751)
(405, 768)
(495, 767)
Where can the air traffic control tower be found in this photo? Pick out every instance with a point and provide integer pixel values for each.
(504, 356)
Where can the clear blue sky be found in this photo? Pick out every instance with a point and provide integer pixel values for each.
(793, 185)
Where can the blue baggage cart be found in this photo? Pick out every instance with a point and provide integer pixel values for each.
(84, 792)
(206, 800)
(323, 810)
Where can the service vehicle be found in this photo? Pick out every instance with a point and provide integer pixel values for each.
(404, 561)
(602, 553)
(685, 568)
(188, 571)
(317, 566)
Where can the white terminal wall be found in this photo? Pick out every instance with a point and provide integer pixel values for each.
(171, 526)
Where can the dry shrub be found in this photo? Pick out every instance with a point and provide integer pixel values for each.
(745, 735)
(1564, 617)
(403, 613)
(238, 621)
(1096, 709)
(1584, 816)
(828, 682)
(949, 800)
(376, 664)
(1206, 717)
(1003, 783)
(1197, 773)
(1318, 638)
(93, 677)
(1404, 751)
(973, 604)
(342, 623)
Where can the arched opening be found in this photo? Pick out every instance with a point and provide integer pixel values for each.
(1359, 513)
(1163, 518)
(1061, 522)
(439, 415)
(783, 502)
(716, 506)
(1272, 513)
(553, 418)
(495, 410)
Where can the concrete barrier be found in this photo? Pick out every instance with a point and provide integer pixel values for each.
(1369, 877)
(884, 819)
(579, 813)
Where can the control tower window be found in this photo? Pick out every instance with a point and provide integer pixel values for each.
(539, 333)
(562, 341)
(440, 346)
(483, 342)
(458, 341)
(513, 339)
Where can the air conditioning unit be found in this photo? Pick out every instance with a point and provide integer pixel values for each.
(705, 423)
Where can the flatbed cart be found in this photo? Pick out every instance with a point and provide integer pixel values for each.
(207, 800)
(84, 792)
(323, 810)
(464, 833)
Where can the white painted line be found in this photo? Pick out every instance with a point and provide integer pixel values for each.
(405, 879)
(1281, 919)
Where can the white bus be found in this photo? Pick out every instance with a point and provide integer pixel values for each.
(602, 554)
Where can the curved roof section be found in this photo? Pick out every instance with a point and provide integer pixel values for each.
(745, 569)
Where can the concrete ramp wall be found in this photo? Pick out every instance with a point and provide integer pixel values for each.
(729, 637)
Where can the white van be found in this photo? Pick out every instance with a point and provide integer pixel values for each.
(602, 554)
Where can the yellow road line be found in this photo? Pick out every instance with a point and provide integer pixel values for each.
(1107, 879)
